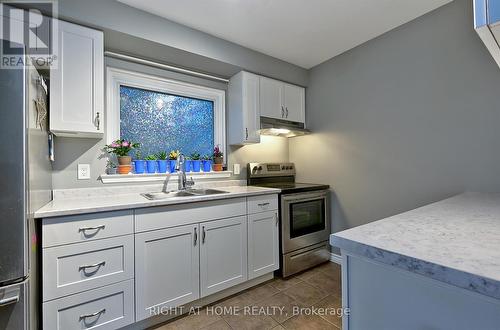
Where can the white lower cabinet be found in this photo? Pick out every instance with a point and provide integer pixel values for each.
(223, 250)
(166, 269)
(106, 308)
(263, 243)
(84, 266)
(182, 253)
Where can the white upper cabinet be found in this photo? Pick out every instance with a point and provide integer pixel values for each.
(271, 98)
(280, 100)
(77, 83)
(294, 103)
(244, 109)
(252, 96)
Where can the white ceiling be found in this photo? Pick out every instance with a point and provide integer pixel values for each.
(302, 32)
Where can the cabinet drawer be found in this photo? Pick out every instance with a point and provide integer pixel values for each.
(184, 214)
(86, 227)
(74, 268)
(110, 307)
(256, 204)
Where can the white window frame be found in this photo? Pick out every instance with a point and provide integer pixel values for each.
(119, 77)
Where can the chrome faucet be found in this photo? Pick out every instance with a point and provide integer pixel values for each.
(183, 183)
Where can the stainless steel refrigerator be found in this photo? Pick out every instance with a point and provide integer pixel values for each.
(25, 185)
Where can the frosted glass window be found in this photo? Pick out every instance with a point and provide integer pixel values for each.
(164, 122)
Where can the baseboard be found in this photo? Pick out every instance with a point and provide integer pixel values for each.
(336, 258)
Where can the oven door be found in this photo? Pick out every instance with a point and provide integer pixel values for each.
(305, 219)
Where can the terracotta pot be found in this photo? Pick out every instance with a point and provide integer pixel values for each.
(124, 160)
(218, 160)
(124, 169)
(217, 167)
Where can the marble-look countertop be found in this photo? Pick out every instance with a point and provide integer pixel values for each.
(456, 241)
(82, 201)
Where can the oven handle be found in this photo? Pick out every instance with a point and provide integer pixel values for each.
(309, 197)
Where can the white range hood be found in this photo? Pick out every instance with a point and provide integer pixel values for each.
(487, 25)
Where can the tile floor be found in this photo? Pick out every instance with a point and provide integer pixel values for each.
(274, 305)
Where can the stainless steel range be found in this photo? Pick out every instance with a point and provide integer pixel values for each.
(304, 216)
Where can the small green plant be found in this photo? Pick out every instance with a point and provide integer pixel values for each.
(195, 156)
(151, 157)
(206, 157)
(173, 154)
(138, 155)
(162, 155)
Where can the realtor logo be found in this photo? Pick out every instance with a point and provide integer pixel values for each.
(28, 33)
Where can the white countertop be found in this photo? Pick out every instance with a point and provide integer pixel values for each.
(73, 203)
(456, 241)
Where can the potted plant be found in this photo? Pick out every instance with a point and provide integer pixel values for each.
(195, 161)
(151, 163)
(110, 167)
(139, 163)
(172, 159)
(218, 159)
(121, 149)
(187, 164)
(162, 162)
(207, 163)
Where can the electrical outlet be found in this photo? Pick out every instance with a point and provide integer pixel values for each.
(236, 169)
(83, 171)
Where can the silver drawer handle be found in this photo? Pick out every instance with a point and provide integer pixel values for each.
(102, 263)
(91, 228)
(8, 301)
(263, 204)
(82, 317)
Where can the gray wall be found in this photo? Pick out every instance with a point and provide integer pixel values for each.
(139, 33)
(403, 120)
(181, 41)
(73, 151)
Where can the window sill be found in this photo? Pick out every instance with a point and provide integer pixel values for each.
(125, 178)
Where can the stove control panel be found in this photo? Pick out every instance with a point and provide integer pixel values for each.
(270, 169)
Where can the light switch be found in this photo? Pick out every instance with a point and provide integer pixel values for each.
(83, 171)
(236, 169)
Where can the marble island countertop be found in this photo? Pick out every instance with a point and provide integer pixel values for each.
(111, 199)
(456, 241)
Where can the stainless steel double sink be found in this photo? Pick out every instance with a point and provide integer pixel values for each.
(182, 193)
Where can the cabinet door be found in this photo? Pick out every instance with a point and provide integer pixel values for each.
(251, 107)
(223, 261)
(271, 98)
(166, 269)
(263, 244)
(77, 83)
(294, 102)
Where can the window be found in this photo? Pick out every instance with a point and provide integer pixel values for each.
(172, 122)
(163, 114)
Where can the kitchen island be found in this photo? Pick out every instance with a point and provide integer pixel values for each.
(435, 267)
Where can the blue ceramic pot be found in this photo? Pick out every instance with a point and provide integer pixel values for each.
(187, 165)
(207, 165)
(171, 165)
(140, 166)
(151, 166)
(162, 166)
(196, 165)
